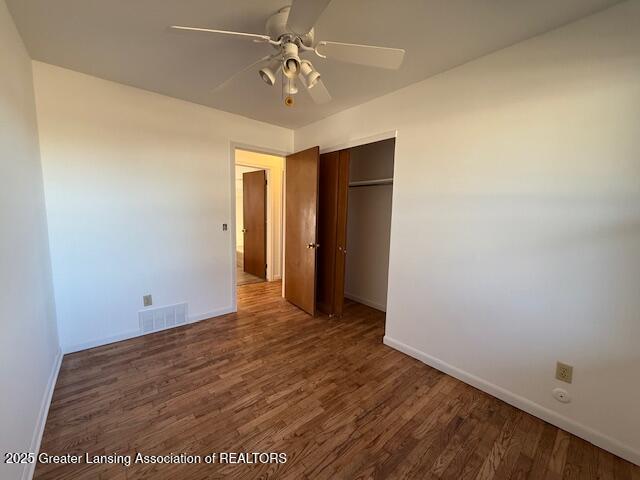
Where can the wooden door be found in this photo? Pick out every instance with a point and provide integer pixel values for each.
(332, 230)
(254, 213)
(301, 200)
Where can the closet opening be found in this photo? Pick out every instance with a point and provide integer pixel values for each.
(354, 226)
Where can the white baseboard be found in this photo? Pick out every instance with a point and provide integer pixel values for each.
(366, 301)
(102, 341)
(597, 438)
(276, 278)
(136, 333)
(36, 439)
(214, 313)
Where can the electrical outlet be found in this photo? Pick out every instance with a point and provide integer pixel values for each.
(224, 227)
(564, 372)
(147, 301)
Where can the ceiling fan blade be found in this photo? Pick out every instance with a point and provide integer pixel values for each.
(304, 14)
(237, 74)
(381, 57)
(254, 36)
(318, 93)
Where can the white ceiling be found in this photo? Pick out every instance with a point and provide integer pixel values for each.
(127, 41)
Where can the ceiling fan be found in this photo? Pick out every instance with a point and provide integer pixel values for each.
(290, 32)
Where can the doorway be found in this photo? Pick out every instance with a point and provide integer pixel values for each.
(258, 191)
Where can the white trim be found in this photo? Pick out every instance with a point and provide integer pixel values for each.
(361, 141)
(367, 302)
(36, 440)
(136, 333)
(102, 341)
(214, 313)
(232, 225)
(595, 437)
(257, 149)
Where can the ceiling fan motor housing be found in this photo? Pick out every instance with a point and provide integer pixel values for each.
(276, 28)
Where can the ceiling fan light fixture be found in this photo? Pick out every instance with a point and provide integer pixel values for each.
(291, 30)
(291, 60)
(268, 76)
(268, 73)
(311, 75)
(290, 87)
(312, 80)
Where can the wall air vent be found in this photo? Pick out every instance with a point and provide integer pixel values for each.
(161, 318)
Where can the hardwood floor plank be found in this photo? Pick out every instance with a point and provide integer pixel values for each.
(543, 452)
(324, 391)
(558, 458)
(500, 448)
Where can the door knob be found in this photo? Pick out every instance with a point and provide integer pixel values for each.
(244, 230)
(313, 245)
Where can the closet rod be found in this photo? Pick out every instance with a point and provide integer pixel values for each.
(369, 183)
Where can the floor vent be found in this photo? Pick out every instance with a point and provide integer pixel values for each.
(155, 319)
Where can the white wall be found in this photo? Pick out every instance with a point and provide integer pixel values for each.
(138, 186)
(369, 225)
(515, 237)
(29, 352)
(275, 170)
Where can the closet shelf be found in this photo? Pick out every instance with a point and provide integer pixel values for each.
(369, 183)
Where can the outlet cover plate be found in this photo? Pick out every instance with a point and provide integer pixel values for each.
(147, 301)
(564, 372)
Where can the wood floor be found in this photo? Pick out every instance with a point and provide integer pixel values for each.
(326, 392)
(242, 277)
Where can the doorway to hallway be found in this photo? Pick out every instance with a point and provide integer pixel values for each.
(258, 185)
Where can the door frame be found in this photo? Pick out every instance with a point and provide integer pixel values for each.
(233, 146)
